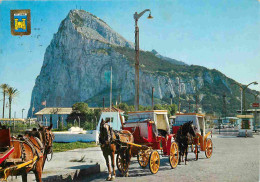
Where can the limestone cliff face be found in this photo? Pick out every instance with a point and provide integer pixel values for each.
(76, 68)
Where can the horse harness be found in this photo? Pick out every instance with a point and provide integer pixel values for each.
(114, 138)
(26, 140)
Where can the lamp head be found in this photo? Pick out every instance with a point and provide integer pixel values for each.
(255, 83)
(150, 16)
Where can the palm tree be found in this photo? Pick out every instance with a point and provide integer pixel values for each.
(4, 88)
(12, 92)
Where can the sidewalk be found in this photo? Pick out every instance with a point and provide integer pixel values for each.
(62, 168)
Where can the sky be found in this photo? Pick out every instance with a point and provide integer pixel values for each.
(219, 34)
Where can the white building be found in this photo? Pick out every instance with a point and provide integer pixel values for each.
(256, 116)
(53, 115)
(116, 116)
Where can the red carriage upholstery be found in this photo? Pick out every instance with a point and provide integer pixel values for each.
(5, 138)
(143, 131)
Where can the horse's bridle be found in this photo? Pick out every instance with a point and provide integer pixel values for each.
(48, 143)
(109, 135)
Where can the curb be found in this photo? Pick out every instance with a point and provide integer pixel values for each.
(77, 174)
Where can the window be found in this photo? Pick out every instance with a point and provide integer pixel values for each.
(245, 124)
(111, 121)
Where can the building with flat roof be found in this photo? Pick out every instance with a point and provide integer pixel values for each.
(53, 115)
(255, 113)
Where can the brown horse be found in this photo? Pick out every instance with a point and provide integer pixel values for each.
(183, 138)
(33, 146)
(112, 143)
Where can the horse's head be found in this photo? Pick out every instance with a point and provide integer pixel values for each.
(190, 128)
(48, 137)
(105, 132)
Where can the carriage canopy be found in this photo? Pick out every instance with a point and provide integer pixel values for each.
(158, 116)
(197, 119)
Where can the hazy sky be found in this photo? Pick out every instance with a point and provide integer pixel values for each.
(220, 34)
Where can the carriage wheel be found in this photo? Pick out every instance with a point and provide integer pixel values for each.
(143, 158)
(154, 162)
(196, 152)
(174, 155)
(121, 163)
(209, 148)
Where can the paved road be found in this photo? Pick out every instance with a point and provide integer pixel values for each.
(234, 159)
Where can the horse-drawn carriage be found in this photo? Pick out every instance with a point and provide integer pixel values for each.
(201, 142)
(24, 153)
(146, 134)
(152, 137)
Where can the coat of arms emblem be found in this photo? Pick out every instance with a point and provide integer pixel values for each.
(20, 22)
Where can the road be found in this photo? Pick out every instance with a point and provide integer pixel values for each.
(234, 159)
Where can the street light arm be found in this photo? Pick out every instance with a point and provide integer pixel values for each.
(137, 16)
(255, 83)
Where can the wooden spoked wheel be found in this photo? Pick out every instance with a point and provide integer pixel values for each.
(174, 155)
(121, 163)
(143, 158)
(196, 152)
(154, 162)
(209, 148)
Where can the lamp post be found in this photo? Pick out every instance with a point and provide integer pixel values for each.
(136, 17)
(243, 89)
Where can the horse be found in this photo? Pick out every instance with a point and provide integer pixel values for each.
(113, 142)
(183, 137)
(33, 146)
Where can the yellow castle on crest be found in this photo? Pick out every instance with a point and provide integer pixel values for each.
(19, 24)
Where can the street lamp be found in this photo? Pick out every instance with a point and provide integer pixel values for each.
(243, 88)
(136, 17)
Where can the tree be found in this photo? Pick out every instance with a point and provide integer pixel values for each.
(4, 88)
(88, 117)
(123, 106)
(171, 109)
(80, 107)
(12, 93)
(158, 107)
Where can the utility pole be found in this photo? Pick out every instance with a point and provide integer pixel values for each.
(22, 112)
(152, 96)
(189, 102)
(219, 120)
(179, 103)
(33, 107)
(196, 103)
(224, 107)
